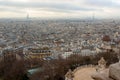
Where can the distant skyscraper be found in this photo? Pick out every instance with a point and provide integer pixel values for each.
(93, 16)
(27, 16)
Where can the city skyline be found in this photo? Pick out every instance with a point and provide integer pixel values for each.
(60, 8)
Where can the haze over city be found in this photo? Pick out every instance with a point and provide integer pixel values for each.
(59, 40)
(59, 8)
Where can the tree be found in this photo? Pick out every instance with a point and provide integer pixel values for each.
(11, 68)
(56, 69)
(106, 38)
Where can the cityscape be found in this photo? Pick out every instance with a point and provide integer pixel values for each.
(59, 40)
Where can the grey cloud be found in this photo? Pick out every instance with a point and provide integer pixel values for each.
(11, 10)
(61, 10)
(58, 6)
(103, 3)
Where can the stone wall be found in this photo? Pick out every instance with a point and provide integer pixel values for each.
(113, 73)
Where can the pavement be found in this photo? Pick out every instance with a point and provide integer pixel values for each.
(84, 74)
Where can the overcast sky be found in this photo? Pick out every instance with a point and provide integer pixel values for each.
(60, 8)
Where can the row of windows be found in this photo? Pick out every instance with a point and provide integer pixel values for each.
(40, 51)
(40, 56)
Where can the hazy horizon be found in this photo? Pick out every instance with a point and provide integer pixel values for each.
(60, 8)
